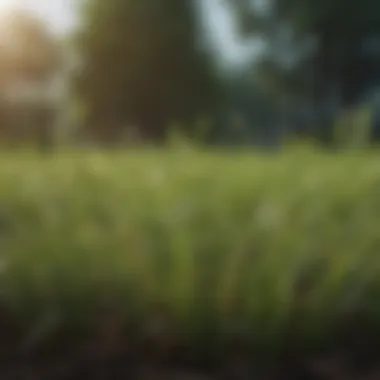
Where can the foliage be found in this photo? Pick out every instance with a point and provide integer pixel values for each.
(29, 51)
(167, 228)
(29, 58)
(354, 129)
(313, 46)
(144, 66)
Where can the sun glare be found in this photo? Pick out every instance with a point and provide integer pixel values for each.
(7, 4)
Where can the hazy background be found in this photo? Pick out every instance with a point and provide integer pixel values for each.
(62, 17)
(298, 70)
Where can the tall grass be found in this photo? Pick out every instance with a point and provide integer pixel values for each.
(220, 240)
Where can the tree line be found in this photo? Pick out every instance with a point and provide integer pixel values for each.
(145, 66)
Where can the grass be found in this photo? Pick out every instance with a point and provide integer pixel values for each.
(223, 241)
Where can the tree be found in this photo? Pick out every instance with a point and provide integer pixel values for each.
(327, 40)
(143, 66)
(29, 58)
(28, 50)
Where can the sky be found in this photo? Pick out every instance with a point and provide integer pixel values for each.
(61, 17)
(223, 33)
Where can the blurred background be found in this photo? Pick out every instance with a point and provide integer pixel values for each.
(257, 73)
(265, 261)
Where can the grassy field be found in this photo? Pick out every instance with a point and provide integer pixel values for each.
(220, 242)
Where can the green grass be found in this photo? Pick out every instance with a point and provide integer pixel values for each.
(217, 238)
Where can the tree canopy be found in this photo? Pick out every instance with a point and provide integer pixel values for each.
(315, 47)
(143, 65)
(28, 50)
(30, 56)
